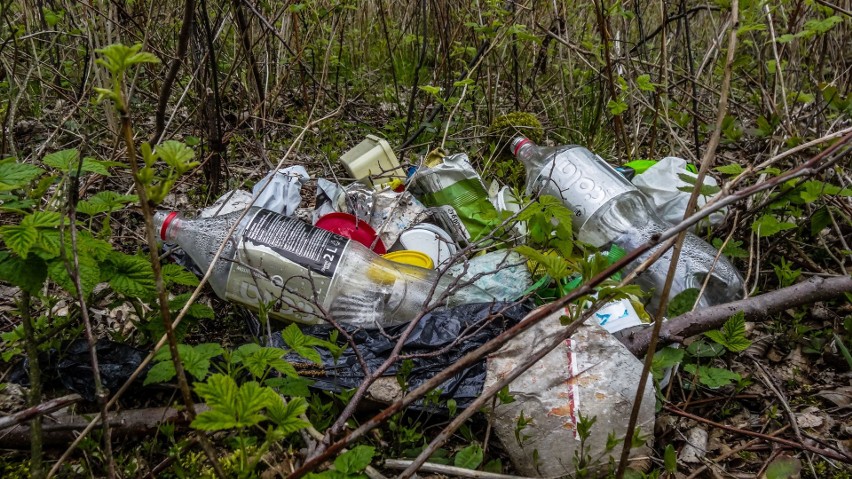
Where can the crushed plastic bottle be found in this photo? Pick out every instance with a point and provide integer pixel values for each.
(302, 270)
(609, 209)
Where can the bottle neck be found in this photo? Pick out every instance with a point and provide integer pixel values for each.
(167, 224)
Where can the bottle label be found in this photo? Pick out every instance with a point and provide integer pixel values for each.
(285, 262)
(583, 181)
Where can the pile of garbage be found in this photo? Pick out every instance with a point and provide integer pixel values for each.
(396, 245)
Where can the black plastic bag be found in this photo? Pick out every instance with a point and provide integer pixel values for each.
(71, 367)
(435, 332)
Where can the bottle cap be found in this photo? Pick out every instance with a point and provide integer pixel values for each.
(411, 257)
(163, 219)
(351, 227)
(518, 142)
(430, 240)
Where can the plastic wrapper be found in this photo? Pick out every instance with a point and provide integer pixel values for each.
(330, 199)
(591, 374)
(454, 182)
(284, 193)
(436, 331)
(503, 274)
(388, 212)
(660, 184)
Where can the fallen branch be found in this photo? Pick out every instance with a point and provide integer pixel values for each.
(447, 470)
(35, 411)
(695, 322)
(131, 423)
(822, 452)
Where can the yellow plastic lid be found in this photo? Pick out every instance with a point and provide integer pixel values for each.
(411, 257)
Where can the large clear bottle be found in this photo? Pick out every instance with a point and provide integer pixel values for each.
(609, 209)
(302, 270)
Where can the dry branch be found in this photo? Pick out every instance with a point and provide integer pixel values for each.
(695, 322)
(131, 423)
(35, 411)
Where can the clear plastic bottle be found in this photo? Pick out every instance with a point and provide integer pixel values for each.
(298, 268)
(609, 209)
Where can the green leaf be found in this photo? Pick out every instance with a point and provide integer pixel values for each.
(89, 271)
(670, 458)
(706, 190)
(68, 161)
(232, 406)
(470, 457)
(494, 466)
(732, 335)
(786, 38)
(616, 107)
(644, 83)
(732, 169)
(28, 274)
(258, 360)
(355, 460)
(301, 344)
(196, 310)
(702, 349)
(14, 175)
(290, 385)
(663, 359)
(683, 302)
(194, 361)
(555, 266)
(176, 274)
(104, 202)
(812, 190)
(784, 467)
(732, 249)
(822, 26)
(161, 372)
(820, 220)
(288, 416)
(177, 155)
(19, 238)
(90, 246)
(130, 275)
(712, 377)
(432, 90)
(768, 225)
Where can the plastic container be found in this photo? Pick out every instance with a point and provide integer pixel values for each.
(411, 257)
(300, 271)
(430, 240)
(609, 209)
(372, 162)
(351, 227)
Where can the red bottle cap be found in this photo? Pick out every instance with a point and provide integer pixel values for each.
(166, 224)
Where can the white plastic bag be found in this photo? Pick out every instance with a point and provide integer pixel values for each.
(660, 184)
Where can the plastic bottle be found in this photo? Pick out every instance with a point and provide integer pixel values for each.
(609, 209)
(298, 268)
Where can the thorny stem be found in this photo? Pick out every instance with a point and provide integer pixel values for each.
(706, 161)
(36, 470)
(74, 272)
(162, 294)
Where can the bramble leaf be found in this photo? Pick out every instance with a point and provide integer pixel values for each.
(470, 457)
(712, 377)
(14, 175)
(768, 225)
